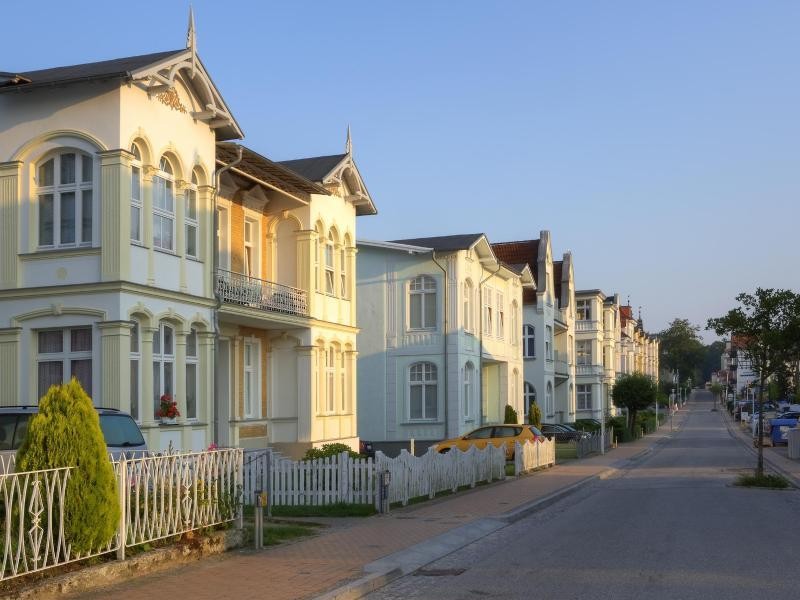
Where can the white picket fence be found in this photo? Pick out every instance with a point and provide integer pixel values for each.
(322, 481)
(413, 476)
(534, 455)
(160, 496)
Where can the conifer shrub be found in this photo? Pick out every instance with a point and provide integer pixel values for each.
(333, 449)
(511, 415)
(66, 433)
(535, 415)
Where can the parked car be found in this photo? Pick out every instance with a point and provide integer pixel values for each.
(495, 435)
(562, 432)
(121, 433)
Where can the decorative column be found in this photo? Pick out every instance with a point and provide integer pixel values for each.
(306, 249)
(115, 364)
(306, 392)
(9, 222)
(9, 366)
(115, 224)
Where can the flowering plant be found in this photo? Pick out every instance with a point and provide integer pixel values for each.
(213, 446)
(169, 408)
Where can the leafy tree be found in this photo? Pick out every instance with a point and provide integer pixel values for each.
(535, 415)
(711, 360)
(767, 330)
(682, 349)
(66, 433)
(634, 392)
(511, 415)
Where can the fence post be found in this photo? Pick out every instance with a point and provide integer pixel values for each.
(122, 529)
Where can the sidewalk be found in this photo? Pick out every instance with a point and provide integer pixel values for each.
(337, 556)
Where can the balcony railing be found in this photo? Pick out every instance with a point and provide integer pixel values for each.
(588, 369)
(586, 325)
(561, 365)
(241, 289)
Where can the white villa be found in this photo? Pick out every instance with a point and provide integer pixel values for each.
(112, 178)
(442, 351)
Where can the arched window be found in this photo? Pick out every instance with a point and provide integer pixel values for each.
(528, 341)
(136, 359)
(423, 391)
(530, 395)
(469, 308)
(548, 399)
(66, 204)
(192, 386)
(422, 302)
(330, 268)
(136, 194)
(469, 388)
(191, 218)
(330, 379)
(164, 206)
(163, 364)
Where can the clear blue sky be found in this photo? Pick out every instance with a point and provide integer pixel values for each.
(659, 141)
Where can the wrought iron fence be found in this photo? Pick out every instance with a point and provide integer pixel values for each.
(238, 288)
(593, 443)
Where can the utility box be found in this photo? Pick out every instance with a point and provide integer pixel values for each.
(781, 429)
(793, 437)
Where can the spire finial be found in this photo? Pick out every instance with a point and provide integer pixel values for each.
(348, 146)
(191, 39)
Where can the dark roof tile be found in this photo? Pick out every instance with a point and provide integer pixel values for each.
(314, 168)
(526, 251)
(444, 243)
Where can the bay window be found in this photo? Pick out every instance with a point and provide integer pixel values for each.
(63, 354)
(64, 187)
(164, 207)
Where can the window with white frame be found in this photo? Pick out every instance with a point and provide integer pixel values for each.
(528, 341)
(163, 364)
(548, 342)
(136, 194)
(488, 316)
(136, 361)
(330, 379)
(66, 204)
(250, 379)
(343, 272)
(190, 218)
(584, 397)
(192, 374)
(422, 302)
(343, 382)
(318, 258)
(583, 350)
(501, 316)
(423, 391)
(63, 354)
(164, 206)
(250, 252)
(330, 267)
(469, 309)
(584, 310)
(469, 388)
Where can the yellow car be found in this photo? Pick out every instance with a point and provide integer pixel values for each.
(495, 435)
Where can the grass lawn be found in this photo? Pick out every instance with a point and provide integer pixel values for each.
(566, 451)
(276, 533)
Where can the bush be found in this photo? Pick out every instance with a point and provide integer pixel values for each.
(511, 415)
(66, 433)
(768, 481)
(535, 415)
(330, 450)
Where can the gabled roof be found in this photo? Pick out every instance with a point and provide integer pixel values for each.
(105, 69)
(445, 243)
(526, 251)
(315, 168)
(268, 172)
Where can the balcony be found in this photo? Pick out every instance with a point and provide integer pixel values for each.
(561, 366)
(243, 290)
(587, 325)
(589, 370)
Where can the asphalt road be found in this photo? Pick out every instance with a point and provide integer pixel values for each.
(670, 527)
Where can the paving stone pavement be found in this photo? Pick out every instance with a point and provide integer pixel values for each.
(307, 568)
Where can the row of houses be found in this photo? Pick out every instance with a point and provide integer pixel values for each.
(151, 256)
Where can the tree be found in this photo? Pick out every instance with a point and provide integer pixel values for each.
(766, 326)
(717, 390)
(711, 360)
(511, 415)
(682, 349)
(66, 433)
(535, 415)
(634, 392)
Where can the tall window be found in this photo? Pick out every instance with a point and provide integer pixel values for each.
(343, 378)
(250, 382)
(469, 387)
(469, 310)
(488, 316)
(164, 207)
(64, 187)
(343, 272)
(501, 315)
(191, 218)
(583, 349)
(63, 354)
(530, 395)
(163, 364)
(423, 401)
(136, 359)
(191, 375)
(584, 399)
(584, 310)
(548, 342)
(330, 379)
(136, 194)
(250, 235)
(422, 302)
(528, 341)
(330, 268)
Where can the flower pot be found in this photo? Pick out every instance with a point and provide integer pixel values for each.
(169, 421)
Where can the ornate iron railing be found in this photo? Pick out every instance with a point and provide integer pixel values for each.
(241, 289)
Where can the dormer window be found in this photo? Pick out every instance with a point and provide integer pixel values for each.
(164, 207)
(66, 204)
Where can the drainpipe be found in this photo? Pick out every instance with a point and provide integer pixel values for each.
(480, 336)
(214, 267)
(444, 337)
